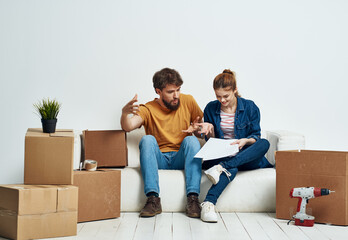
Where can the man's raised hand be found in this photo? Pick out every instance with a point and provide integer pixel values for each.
(130, 107)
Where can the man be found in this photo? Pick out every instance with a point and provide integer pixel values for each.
(166, 144)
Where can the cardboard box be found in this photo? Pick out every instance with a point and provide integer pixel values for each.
(99, 194)
(41, 211)
(323, 169)
(108, 148)
(49, 157)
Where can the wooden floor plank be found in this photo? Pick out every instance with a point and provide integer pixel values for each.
(127, 227)
(272, 230)
(333, 232)
(313, 233)
(218, 230)
(108, 229)
(181, 227)
(164, 227)
(202, 230)
(252, 226)
(177, 226)
(145, 229)
(234, 227)
(292, 232)
(79, 227)
(199, 230)
(89, 230)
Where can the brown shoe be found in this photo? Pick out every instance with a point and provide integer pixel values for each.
(152, 207)
(193, 208)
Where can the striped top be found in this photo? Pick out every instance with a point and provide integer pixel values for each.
(227, 124)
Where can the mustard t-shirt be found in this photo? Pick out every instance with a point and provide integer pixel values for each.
(166, 125)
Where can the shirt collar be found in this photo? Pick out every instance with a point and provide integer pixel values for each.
(240, 106)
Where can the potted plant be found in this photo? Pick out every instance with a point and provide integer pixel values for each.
(48, 110)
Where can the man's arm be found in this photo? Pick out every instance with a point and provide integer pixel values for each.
(130, 123)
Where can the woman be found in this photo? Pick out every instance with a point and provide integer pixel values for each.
(231, 117)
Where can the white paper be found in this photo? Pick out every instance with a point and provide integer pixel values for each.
(216, 148)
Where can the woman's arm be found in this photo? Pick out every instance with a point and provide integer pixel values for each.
(255, 129)
(244, 141)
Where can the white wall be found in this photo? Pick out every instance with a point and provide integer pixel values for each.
(93, 56)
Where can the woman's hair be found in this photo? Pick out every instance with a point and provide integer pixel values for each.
(226, 79)
(166, 76)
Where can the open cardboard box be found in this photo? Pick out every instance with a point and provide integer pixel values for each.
(107, 147)
(306, 168)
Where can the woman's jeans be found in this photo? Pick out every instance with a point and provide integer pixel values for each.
(152, 159)
(249, 158)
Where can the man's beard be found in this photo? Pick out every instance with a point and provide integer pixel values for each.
(171, 107)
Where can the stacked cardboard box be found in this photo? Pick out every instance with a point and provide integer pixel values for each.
(99, 190)
(42, 210)
(305, 168)
(31, 212)
(49, 157)
(99, 194)
(47, 209)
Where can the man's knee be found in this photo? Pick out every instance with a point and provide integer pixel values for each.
(147, 141)
(191, 141)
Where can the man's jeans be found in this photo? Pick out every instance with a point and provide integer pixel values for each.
(250, 157)
(152, 159)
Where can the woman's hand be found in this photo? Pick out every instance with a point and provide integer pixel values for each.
(206, 129)
(244, 141)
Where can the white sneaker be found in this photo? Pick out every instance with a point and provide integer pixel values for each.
(214, 173)
(208, 213)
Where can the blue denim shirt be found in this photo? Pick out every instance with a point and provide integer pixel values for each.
(246, 123)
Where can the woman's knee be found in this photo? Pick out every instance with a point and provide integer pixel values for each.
(264, 143)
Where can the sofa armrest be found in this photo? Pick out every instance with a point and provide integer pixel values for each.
(133, 139)
(283, 140)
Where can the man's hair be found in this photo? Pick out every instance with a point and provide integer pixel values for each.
(166, 76)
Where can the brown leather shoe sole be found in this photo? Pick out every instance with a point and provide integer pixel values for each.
(193, 215)
(147, 214)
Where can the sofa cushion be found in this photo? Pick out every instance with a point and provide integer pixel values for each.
(250, 191)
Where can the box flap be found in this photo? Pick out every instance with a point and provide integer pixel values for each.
(107, 147)
(331, 163)
(62, 134)
(37, 132)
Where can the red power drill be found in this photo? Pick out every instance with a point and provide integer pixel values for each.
(304, 194)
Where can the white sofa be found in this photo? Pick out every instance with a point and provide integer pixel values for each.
(250, 191)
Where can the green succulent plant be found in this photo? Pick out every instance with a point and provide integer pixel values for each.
(47, 109)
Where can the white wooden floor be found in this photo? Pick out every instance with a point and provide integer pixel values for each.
(176, 226)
